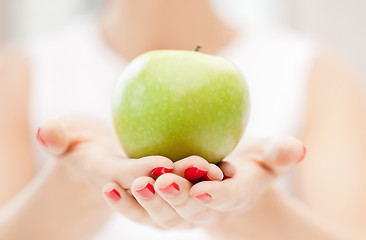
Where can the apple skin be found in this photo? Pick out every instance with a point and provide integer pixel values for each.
(176, 103)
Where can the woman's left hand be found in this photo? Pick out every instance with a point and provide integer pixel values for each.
(174, 200)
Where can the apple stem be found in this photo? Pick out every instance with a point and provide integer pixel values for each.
(198, 47)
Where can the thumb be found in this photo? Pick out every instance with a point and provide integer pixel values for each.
(53, 137)
(279, 155)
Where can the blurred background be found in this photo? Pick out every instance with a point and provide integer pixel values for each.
(341, 24)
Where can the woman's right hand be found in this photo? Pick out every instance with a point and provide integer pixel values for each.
(90, 148)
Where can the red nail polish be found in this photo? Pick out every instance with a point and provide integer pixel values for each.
(40, 140)
(206, 178)
(113, 195)
(146, 192)
(157, 172)
(171, 190)
(303, 155)
(203, 197)
(193, 173)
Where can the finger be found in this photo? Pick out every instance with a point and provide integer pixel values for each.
(160, 211)
(88, 140)
(275, 155)
(224, 196)
(252, 145)
(228, 169)
(53, 137)
(214, 174)
(175, 190)
(193, 168)
(121, 201)
(279, 155)
(60, 134)
(254, 174)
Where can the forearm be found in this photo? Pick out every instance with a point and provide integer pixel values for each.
(55, 205)
(277, 216)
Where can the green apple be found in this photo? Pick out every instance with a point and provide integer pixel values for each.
(180, 103)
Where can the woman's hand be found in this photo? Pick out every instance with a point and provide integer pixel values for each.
(91, 149)
(85, 151)
(174, 201)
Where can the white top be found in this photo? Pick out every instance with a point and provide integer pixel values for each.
(73, 70)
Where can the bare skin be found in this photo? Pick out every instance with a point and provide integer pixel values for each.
(332, 179)
(162, 26)
(323, 181)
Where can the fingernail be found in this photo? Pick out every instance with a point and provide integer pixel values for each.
(206, 178)
(193, 173)
(40, 140)
(146, 192)
(303, 155)
(171, 190)
(156, 172)
(113, 195)
(227, 176)
(203, 197)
